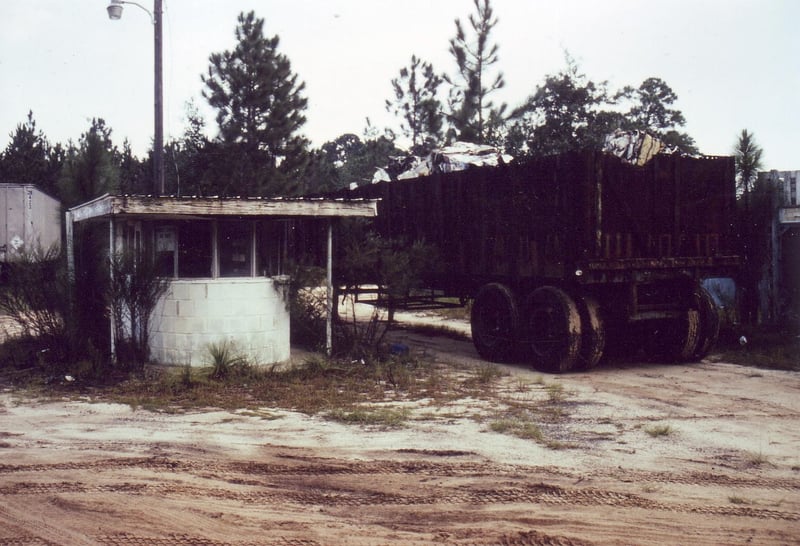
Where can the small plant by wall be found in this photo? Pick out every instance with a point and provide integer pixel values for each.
(226, 360)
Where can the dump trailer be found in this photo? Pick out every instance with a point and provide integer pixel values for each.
(567, 257)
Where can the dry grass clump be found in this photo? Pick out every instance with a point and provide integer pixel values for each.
(659, 430)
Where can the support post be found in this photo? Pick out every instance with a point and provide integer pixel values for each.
(71, 311)
(70, 252)
(329, 293)
(111, 241)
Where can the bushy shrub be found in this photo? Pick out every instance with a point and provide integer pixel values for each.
(133, 292)
(308, 307)
(35, 298)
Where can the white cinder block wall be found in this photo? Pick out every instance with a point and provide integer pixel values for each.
(250, 312)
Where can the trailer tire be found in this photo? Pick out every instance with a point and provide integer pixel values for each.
(676, 340)
(552, 329)
(593, 333)
(495, 323)
(708, 315)
(689, 336)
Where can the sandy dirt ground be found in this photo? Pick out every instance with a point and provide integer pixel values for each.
(726, 472)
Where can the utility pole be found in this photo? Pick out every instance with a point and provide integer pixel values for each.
(158, 145)
(114, 13)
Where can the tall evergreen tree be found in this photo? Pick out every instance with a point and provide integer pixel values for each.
(90, 169)
(319, 176)
(134, 175)
(30, 159)
(470, 107)
(260, 105)
(417, 103)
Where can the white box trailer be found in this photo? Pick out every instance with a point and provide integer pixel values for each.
(29, 219)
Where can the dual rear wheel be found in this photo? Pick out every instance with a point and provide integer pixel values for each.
(552, 330)
(558, 333)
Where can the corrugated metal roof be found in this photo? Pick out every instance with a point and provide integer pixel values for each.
(200, 206)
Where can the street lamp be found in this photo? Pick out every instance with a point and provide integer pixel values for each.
(114, 13)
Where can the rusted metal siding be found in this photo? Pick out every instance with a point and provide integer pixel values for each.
(672, 207)
(546, 219)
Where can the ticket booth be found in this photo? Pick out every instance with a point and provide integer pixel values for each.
(226, 264)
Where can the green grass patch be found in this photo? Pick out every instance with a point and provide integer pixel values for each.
(516, 428)
(384, 417)
(555, 393)
(487, 373)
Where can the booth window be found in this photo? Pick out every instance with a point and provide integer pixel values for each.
(166, 240)
(183, 249)
(272, 247)
(194, 250)
(235, 248)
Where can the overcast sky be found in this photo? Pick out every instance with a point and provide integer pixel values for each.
(734, 64)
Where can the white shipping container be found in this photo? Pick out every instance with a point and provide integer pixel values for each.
(29, 219)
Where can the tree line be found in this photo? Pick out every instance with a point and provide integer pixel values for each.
(260, 106)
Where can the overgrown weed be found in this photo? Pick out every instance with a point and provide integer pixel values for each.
(657, 431)
(756, 459)
(555, 393)
(374, 416)
(485, 374)
(520, 428)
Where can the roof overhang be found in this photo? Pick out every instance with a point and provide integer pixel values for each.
(137, 206)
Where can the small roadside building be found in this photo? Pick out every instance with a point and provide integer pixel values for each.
(226, 261)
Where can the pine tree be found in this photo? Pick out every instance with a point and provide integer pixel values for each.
(90, 168)
(30, 159)
(134, 176)
(470, 107)
(416, 102)
(260, 106)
